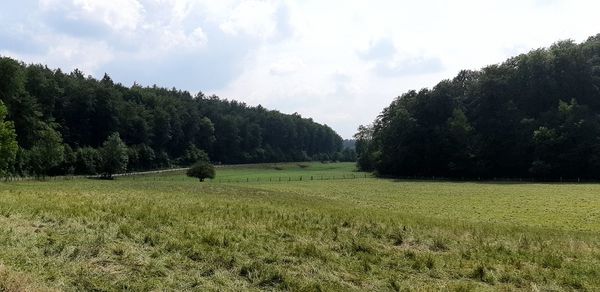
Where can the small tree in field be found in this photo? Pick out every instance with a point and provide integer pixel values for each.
(201, 170)
(113, 156)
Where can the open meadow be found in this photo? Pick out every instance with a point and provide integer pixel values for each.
(247, 230)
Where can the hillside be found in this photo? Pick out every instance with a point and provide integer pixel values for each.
(74, 114)
(537, 114)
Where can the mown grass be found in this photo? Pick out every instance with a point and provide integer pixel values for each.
(170, 232)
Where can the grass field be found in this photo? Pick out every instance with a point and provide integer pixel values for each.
(170, 232)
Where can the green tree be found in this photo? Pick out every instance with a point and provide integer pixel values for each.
(201, 170)
(364, 148)
(349, 155)
(47, 152)
(506, 120)
(113, 156)
(87, 160)
(193, 154)
(158, 123)
(459, 135)
(8, 142)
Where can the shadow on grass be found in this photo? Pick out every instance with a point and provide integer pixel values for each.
(494, 182)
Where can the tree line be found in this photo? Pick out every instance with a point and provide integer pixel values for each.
(534, 115)
(55, 123)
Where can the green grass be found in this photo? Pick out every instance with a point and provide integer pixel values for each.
(170, 232)
(273, 172)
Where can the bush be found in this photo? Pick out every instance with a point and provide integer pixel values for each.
(201, 170)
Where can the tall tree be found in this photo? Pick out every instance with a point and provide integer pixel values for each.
(47, 151)
(8, 142)
(157, 123)
(535, 114)
(113, 156)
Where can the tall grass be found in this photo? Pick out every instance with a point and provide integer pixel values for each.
(169, 232)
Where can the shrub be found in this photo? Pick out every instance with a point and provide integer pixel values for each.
(201, 170)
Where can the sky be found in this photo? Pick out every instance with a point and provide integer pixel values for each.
(338, 62)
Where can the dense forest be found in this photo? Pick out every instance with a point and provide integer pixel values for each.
(60, 122)
(534, 115)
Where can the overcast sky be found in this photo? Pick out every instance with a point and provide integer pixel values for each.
(339, 62)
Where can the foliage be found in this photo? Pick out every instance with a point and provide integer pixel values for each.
(159, 125)
(193, 154)
(87, 160)
(8, 142)
(348, 155)
(46, 153)
(113, 156)
(201, 170)
(142, 157)
(534, 115)
(168, 232)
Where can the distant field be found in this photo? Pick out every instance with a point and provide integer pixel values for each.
(170, 232)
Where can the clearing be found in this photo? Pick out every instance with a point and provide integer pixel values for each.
(247, 230)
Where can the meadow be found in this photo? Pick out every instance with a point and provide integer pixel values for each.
(246, 230)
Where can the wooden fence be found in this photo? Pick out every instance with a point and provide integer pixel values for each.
(291, 178)
(313, 178)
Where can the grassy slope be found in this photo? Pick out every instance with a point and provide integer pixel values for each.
(171, 232)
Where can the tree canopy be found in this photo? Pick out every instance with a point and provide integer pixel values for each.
(536, 114)
(113, 156)
(201, 170)
(160, 126)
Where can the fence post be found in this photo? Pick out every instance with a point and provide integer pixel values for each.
(311, 177)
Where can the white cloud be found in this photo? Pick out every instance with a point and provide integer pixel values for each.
(69, 54)
(116, 14)
(339, 62)
(287, 66)
(408, 66)
(252, 17)
(198, 36)
(177, 39)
